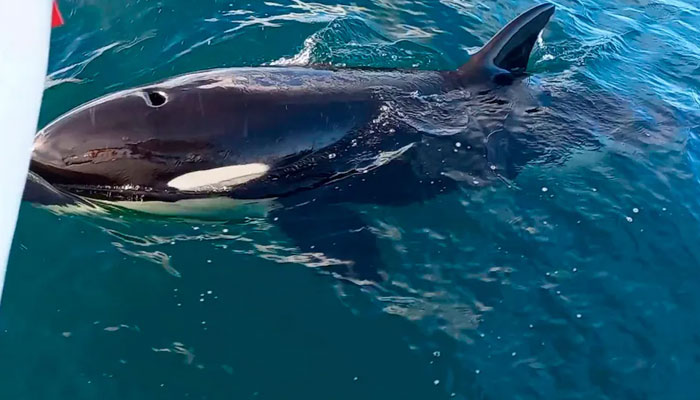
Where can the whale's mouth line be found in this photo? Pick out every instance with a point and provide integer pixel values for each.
(129, 193)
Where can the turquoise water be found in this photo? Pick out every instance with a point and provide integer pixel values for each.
(581, 279)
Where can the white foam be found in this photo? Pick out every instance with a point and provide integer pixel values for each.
(302, 58)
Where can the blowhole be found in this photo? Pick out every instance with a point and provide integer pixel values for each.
(156, 98)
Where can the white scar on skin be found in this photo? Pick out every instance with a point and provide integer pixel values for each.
(219, 178)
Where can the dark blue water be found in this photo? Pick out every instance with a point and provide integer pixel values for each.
(579, 279)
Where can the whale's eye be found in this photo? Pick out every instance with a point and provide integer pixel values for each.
(156, 98)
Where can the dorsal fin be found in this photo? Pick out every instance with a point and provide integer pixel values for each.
(506, 55)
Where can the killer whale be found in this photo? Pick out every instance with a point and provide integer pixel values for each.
(294, 134)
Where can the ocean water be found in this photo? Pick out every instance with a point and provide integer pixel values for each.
(580, 279)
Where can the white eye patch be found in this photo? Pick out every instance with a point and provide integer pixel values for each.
(219, 178)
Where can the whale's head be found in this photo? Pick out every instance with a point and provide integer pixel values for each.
(154, 140)
(112, 142)
(186, 139)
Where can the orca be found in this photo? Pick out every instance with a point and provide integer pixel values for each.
(296, 135)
